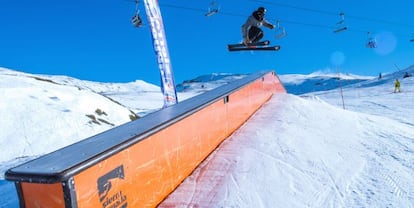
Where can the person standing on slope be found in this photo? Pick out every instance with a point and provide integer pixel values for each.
(397, 86)
(251, 28)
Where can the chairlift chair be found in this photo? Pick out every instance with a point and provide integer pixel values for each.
(371, 42)
(340, 26)
(213, 9)
(280, 31)
(412, 38)
(136, 19)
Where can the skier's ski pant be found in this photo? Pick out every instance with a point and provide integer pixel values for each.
(255, 34)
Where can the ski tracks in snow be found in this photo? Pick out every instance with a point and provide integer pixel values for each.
(390, 164)
(376, 187)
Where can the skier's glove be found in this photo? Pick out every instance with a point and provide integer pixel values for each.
(246, 41)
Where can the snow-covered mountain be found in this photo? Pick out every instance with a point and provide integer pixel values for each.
(207, 82)
(319, 81)
(42, 113)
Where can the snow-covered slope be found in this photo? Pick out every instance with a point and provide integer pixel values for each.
(140, 97)
(377, 97)
(40, 114)
(303, 152)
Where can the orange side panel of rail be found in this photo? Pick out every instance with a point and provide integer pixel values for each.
(150, 170)
(43, 195)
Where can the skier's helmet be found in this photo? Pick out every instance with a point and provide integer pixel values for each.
(262, 10)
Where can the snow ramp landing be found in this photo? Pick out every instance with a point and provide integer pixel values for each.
(302, 152)
(140, 163)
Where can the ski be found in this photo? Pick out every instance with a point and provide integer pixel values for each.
(265, 48)
(260, 43)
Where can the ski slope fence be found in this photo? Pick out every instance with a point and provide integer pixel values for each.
(139, 163)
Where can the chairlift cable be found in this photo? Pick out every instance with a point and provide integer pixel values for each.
(182, 7)
(296, 7)
(294, 22)
(334, 13)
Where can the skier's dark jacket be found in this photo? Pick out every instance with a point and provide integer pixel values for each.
(255, 20)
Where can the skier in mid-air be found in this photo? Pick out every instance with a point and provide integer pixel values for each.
(251, 28)
(252, 34)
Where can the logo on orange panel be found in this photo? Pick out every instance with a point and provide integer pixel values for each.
(108, 198)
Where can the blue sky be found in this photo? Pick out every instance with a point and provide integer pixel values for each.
(94, 40)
